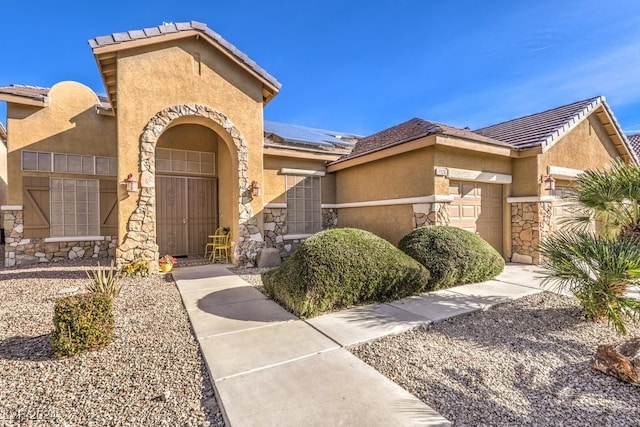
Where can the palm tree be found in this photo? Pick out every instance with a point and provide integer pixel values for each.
(598, 268)
(611, 198)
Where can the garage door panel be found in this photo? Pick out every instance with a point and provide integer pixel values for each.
(468, 212)
(477, 208)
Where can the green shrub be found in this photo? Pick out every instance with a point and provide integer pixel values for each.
(452, 255)
(82, 322)
(105, 281)
(341, 267)
(136, 268)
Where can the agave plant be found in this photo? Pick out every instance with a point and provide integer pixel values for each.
(105, 280)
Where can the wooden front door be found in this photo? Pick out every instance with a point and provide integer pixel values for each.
(187, 213)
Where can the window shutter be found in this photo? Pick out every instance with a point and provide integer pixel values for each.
(35, 195)
(108, 207)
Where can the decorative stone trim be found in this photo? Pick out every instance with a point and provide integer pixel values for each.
(11, 208)
(139, 242)
(14, 229)
(531, 222)
(275, 228)
(431, 214)
(329, 218)
(21, 251)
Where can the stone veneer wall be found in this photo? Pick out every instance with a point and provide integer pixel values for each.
(139, 242)
(531, 222)
(275, 228)
(329, 218)
(431, 214)
(21, 251)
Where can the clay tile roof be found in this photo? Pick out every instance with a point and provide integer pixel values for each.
(409, 131)
(33, 92)
(634, 141)
(167, 28)
(541, 128)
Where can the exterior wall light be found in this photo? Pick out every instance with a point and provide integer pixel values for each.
(132, 184)
(549, 182)
(256, 190)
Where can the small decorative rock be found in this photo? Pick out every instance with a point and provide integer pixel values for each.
(268, 257)
(622, 361)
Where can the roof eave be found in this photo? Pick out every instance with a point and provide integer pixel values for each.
(23, 100)
(571, 124)
(603, 112)
(269, 89)
(382, 153)
(618, 133)
(469, 144)
(270, 150)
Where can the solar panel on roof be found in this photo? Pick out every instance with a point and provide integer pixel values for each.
(306, 136)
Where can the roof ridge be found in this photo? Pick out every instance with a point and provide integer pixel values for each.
(176, 27)
(541, 112)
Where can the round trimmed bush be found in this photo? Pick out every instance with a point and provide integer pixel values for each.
(342, 267)
(452, 255)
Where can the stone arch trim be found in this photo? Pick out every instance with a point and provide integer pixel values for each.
(139, 242)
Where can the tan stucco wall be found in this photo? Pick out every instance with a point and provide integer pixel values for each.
(190, 137)
(450, 157)
(389, 222)
(3, 172)
(586, 147)
(155, 77)
(525, 177)
(69, 124)
(403, 175)
(274, 188)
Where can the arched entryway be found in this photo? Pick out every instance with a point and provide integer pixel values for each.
(187, 169)
(140, 240)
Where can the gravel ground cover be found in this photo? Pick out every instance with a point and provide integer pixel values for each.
(252, 276)
(152, 374)
(521, 363)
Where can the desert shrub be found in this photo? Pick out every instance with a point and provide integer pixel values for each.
(452, 255)
(341, 267)
(105, 280)
(82, 322)
(136, 268)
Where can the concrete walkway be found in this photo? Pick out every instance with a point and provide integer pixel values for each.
(271, 369)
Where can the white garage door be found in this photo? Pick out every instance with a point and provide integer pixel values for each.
(477, 207)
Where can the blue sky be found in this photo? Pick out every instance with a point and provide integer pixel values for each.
(362, 66)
